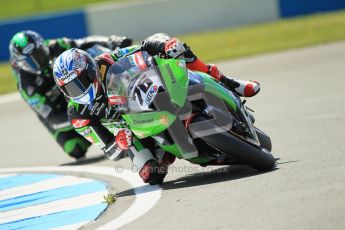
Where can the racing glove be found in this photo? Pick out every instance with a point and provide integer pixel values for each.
(175, 48)
(154, 44)
(162, 44)
(124, 139)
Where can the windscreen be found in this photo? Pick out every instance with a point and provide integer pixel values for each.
(131, 86)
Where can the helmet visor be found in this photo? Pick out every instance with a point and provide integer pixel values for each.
(80, 85)
(28, 64)
(34, 62)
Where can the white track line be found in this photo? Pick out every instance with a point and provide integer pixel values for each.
(49, 184)
(146, 196)
(53, 207)
(8, 98)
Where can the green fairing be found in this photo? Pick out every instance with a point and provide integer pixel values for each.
(175, 77)
(150, 123)
(217, 90)
(174, 149)
(20, 40)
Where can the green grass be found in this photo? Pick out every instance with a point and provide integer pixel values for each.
(227, 44)
(7, 81)
(19, 8)
(275, 36)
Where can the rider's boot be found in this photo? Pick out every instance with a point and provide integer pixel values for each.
(151, 169)
(154, 171)
(240, 87)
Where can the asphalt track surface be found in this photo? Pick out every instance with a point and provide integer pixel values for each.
(301, 106)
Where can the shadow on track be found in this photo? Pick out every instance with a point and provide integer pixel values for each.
(196, 179)
(215, 176)
(86, 161)
(287, 162)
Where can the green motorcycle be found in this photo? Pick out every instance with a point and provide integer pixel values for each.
(186, 113)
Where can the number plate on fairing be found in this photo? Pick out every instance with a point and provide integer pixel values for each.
(144, 90)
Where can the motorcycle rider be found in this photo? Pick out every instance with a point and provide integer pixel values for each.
(82, 80)
(31, 59)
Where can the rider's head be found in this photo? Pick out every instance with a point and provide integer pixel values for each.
(77, 75)
(28, 52)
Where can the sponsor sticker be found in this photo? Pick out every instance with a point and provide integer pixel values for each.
(67, 77)
(117, 100)
(164, 120)
(139, 61)
(78, 123)
(85, 132)
(152, 92)
(90, 139)
(117, 53)
(144, 121)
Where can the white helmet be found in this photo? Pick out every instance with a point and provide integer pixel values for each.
(77, 75)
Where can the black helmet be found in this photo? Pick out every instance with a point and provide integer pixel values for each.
(28, 52)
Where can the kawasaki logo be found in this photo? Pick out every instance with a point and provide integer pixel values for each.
(171, 75)
(149, 120)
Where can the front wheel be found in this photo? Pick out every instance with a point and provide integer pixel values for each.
(265, 140)
(241, 151)
(237, 149)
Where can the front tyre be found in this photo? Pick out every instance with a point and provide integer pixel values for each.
(241, 151)
(265, 140)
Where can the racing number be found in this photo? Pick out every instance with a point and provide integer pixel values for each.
(142, 87)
